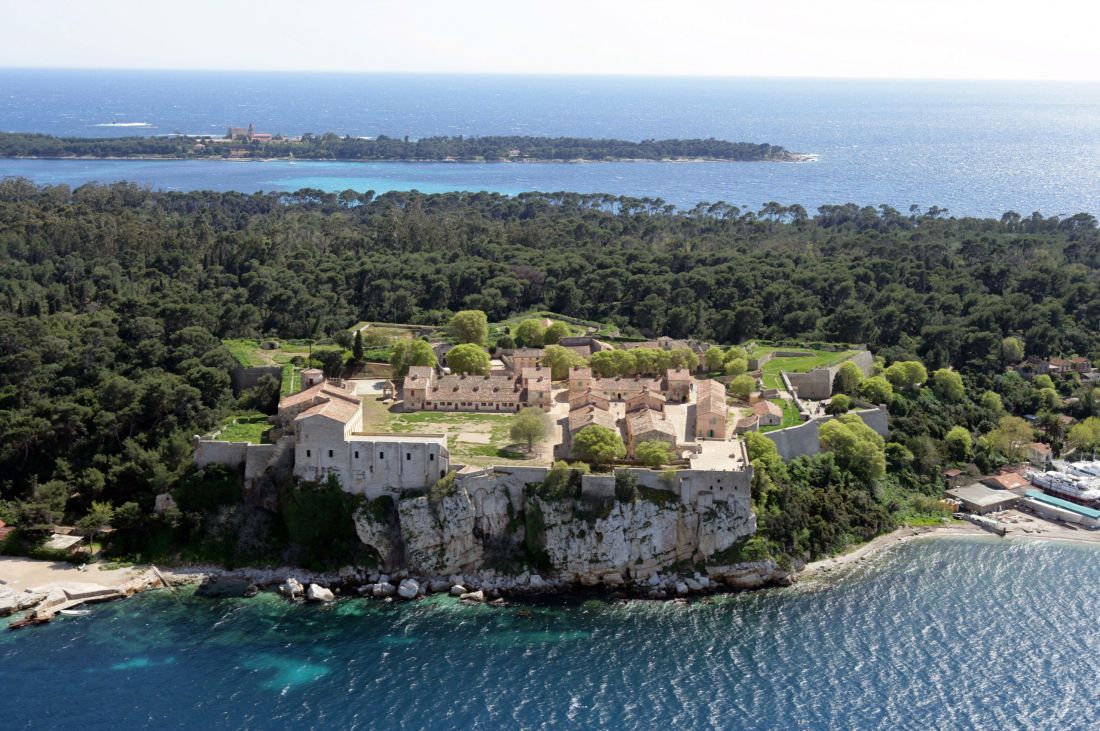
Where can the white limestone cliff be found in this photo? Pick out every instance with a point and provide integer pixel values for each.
(493, 516)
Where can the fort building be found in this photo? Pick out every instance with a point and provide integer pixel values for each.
(326, 422)
(425, 390)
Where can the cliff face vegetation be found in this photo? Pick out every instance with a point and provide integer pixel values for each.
(506, 523)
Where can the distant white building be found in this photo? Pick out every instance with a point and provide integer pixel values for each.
(327, 420)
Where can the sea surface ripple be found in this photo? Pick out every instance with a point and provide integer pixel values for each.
(938, 634)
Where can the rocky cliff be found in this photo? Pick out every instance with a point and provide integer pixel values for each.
(596, 533)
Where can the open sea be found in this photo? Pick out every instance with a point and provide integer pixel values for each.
(975, 148)
(946, 633)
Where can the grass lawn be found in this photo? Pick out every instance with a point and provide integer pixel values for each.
(251, 427)
(497, 328)
(247, 352)
(292, 381)
(791, 417)
(488, 439)
(800, 364)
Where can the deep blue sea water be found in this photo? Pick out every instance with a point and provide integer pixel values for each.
(976, 148)
(938, 634)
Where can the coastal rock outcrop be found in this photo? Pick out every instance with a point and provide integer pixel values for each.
(589, 539)
(408, 589)
(316, 593)
(12, 602)
(598, 535)
(751, 575)
(291, 588)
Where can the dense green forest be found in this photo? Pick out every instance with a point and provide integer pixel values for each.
(330, 146)
(114, 301)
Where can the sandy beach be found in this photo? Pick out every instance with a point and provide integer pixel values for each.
(20, 574)
(1019, 526)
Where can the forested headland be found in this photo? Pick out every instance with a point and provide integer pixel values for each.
(331, 146)
(115, 301)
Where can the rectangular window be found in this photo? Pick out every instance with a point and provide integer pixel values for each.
(357, 454)
(307, 453)
(408, 456)
(381, 456)
(431, 458)
(330, 453)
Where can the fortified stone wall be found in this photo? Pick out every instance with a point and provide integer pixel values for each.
(805, 439)
(242, 379)
(817, 384)
(758, 362)
(254, 458)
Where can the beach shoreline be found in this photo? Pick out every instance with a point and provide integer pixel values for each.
(24, 576)
(1019, 526)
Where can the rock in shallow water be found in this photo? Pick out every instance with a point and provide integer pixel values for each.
(408, 589)
(317, 593)
(221, 587)
(458, 590)
(291, 588)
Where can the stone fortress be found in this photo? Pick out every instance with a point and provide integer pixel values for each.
(698, 509)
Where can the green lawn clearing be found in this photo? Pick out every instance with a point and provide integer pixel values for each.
(800, 364)
(247, 352)
(250, 427)
(791, 417)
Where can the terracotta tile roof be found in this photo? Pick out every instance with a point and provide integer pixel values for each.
(647, 421)
(541, 383)
(710, 398)
(534, 373)
(590, 414)
(1009, 480)
(764, 408)
(748, 422)
(338, 409)
(580, 372)
(1040, 447)
(481, 389)
(627, 385)
(646, 399)
(586, 397)
(419, 375)
(526, 352)
(678, 374)
(323, 389)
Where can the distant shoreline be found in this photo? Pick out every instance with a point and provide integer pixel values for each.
(245, 143)
(794, 157)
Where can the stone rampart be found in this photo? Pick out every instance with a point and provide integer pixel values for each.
(805, 439)
(242, 379)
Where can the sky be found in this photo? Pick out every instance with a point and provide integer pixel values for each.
(932, 39)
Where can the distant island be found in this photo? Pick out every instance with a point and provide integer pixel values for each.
(246, 143)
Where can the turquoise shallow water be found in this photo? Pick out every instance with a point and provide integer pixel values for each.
(944, 633)
(977, 148)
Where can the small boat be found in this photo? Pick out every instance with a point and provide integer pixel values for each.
(75, 612)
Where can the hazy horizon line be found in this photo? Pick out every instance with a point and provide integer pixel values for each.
(554, 75)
